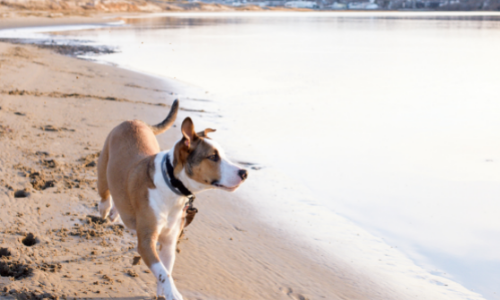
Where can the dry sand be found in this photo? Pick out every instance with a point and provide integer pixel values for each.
(55, 114)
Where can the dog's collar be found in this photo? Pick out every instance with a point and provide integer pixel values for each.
(173, 183)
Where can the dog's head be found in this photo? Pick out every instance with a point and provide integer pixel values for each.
(204, 161)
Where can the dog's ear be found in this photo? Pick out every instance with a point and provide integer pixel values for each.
(205, 132)
(188, 132)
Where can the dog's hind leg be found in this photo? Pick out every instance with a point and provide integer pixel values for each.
(113, 214)
(102, 183)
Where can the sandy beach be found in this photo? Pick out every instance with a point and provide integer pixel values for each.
(55, 113)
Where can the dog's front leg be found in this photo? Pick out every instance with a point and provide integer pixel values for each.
(147, 250)
(168, 244)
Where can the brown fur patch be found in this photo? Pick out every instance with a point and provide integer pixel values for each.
(195, 161)
(206, 171)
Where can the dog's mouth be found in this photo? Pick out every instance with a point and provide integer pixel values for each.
(229, 189)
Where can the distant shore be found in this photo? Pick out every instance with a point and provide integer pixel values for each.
(56, 9)
(59, 11)
(55, 114)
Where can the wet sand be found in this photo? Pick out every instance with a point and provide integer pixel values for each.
(55, 114)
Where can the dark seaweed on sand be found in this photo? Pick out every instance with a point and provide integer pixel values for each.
(5, 252)
(14, 269)
(69, 50)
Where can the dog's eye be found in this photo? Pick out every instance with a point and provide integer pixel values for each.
(214, 157)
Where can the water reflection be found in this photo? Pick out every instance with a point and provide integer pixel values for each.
(379, 21)
(175, 22)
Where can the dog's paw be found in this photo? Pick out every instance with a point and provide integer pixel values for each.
(113, 214)
(168, 290)
(175, 294)
(105, 207)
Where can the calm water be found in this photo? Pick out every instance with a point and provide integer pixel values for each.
(388, 122)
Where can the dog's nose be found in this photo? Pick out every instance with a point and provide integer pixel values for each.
(243, 174)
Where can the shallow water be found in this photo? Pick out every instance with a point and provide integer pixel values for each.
(386, 121)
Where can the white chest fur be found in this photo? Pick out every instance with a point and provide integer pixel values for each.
(167, 206)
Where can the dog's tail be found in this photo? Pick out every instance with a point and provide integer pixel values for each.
(169, 120)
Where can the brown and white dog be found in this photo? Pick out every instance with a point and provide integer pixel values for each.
(134, 185)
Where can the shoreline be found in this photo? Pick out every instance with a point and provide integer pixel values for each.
(221, 243)
(37, 21)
